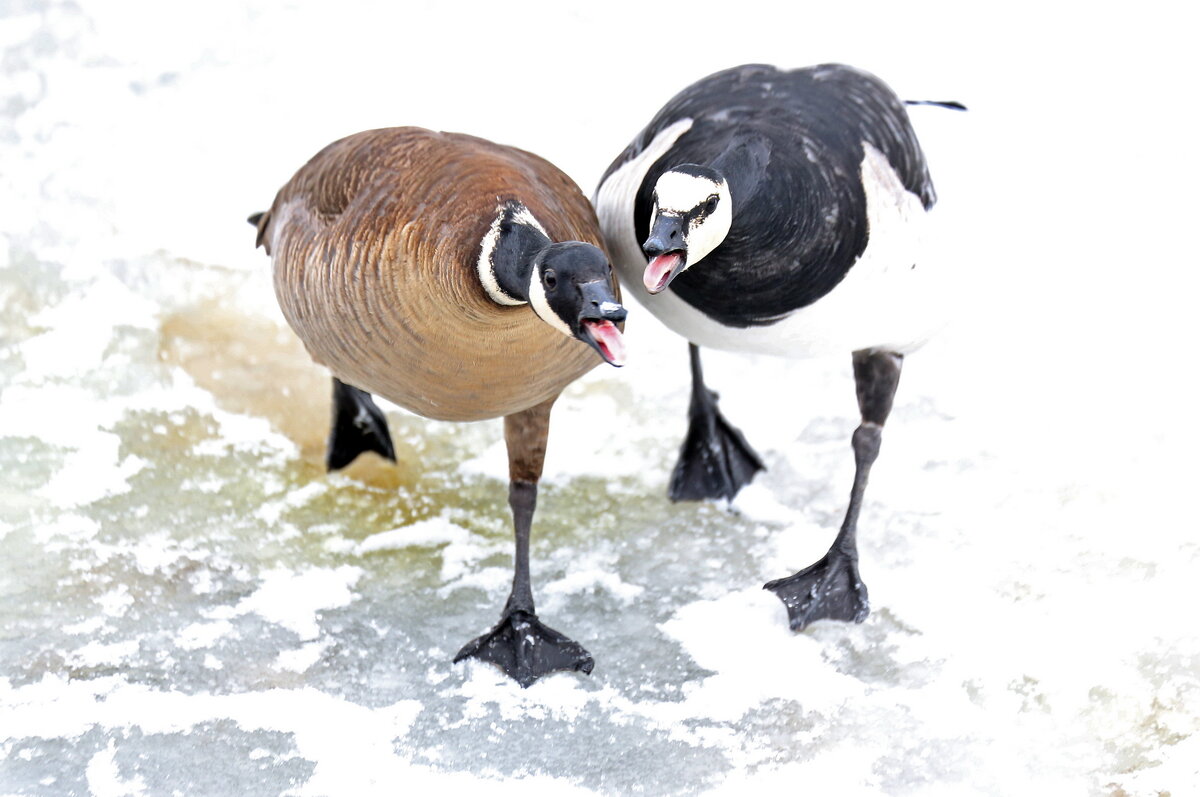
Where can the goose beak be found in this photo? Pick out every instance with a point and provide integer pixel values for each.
(667, 253)
(661, 270)
(606, 338)
(599, 316)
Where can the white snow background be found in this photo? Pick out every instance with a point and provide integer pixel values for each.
(189, 605)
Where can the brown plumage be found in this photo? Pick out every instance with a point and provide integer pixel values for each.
(375, 243)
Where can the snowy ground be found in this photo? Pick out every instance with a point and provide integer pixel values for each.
(189, 605)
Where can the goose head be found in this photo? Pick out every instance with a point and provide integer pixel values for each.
(692, 215)
(572, 288)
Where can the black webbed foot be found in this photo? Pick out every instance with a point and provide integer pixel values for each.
(358, 426)
(715, 461)
(828, 590)
(526, 649)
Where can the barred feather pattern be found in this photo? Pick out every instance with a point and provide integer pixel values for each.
(374, 244)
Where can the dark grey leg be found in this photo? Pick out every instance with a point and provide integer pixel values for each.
(520, 644)
(715, 461)
(831, 588)
(522, 501)
(358, 426)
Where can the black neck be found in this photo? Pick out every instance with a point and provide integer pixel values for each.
(516, 249)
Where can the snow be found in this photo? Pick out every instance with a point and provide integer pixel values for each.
(433, 531)
(293, 599)
(189, 604)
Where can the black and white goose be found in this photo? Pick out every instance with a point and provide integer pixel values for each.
(779, 212)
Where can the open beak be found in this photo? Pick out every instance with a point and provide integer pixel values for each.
(667, 253)
(598, 318)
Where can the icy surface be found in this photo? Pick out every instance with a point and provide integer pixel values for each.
(189, 605)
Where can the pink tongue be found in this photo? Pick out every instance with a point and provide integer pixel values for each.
(659, 271)
(610, 340)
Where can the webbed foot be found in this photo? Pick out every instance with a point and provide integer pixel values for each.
(358, 426)
(715, 461)
(827, 590)
(526, 649)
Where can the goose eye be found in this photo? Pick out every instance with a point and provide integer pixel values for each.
(711, 204)
(549, 279)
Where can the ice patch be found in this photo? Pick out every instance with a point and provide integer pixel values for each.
(492, 462)
(69, 527)
(422, 534)
(352, 746)
(303, 657)
(580, 581)
(487, 688)
(116, 601)
(245, 433)
(104, 778)
(61, 415)
(80, 329)
(156, 553)
(1178, 771)
(72, 418)
(89, 474)
(96, 654)
(594, 574)
(744, 638)
(89, 627)
(492, 580)
(758, 503)
(270, 511)
(293, 599)
(203, 635)
(460, 557)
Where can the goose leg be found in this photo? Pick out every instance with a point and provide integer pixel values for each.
(831, 588)
(520, 644)
(358, 426)
(715, 461)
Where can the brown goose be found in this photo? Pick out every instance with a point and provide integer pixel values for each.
(402, 258)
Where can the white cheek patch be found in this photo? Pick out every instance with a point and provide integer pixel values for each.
(706, 233)
(537, 300)
(487, 248)
(679, 193)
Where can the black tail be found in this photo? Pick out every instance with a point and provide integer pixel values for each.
(358, 426)
(260, 222)
(951, 104)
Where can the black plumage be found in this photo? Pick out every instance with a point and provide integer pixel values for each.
(795, 139)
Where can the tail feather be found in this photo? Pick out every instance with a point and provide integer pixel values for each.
(951, 104)
(260, 222)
